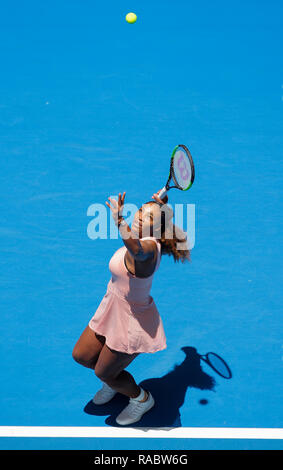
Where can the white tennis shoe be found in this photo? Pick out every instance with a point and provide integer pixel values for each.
(104, 395)
(135, 410)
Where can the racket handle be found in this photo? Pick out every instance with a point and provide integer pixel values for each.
(163, 192)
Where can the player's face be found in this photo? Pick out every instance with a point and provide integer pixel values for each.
(146, 220)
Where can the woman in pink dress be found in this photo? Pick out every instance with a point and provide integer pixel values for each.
(127, 321)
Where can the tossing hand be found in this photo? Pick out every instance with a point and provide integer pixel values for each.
(117, 207)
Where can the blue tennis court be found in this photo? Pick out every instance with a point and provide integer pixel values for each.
(91, 106)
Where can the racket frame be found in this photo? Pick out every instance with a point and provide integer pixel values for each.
(205, 358)
(172, 173)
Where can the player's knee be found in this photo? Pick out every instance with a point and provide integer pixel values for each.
(104, 375)
(76, 355)
(79, 356)
(100, 373)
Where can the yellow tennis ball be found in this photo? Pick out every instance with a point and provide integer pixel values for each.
(131, 18)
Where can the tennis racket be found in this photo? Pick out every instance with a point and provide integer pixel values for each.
(182, 170)
(217, 364)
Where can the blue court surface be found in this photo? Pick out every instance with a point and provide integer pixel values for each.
(91, 106)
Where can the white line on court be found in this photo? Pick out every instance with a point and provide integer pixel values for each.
(112, 432)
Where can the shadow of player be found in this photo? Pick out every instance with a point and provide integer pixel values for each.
(168, 391)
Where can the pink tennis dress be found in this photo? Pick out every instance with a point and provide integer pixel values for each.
(127, 315)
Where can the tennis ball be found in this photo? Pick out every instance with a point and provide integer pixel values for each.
(131, 18)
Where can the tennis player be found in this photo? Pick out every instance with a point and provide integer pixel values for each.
(127, 321)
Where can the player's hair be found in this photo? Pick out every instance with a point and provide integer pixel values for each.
(169, 245)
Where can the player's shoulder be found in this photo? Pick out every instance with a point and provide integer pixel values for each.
(149, 245)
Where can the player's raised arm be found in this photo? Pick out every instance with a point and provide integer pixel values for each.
(139, 251)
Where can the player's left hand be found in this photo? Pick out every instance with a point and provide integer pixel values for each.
(117, 207)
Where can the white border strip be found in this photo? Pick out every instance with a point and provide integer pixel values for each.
(115, 432)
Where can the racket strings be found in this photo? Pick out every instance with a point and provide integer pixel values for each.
(182, 168)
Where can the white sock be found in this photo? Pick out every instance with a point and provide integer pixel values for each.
(141, 395)
(107, 386)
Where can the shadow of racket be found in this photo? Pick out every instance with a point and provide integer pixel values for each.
(217, 364)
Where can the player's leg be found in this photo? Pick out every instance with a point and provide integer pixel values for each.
(88, 347)
(110, 368)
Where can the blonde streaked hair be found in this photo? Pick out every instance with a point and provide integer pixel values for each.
(172, 238)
